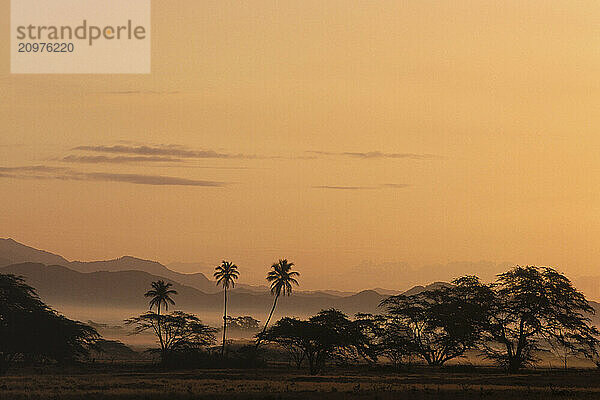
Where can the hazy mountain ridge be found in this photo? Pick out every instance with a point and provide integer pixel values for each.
(13, 252)
(60, 286)
(420, 288)
(590, 285)
(123, 292)
(197, 280)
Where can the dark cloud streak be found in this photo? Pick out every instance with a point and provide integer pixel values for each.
(344, 187)
(376, 155)
(42, 172)
(117, 159)
(144, 92)
(396, 185)
(156, 180)
(169, 150)
(382, 186)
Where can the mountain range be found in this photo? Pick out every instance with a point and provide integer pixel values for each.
(13, 252)
(119, 285)
(64, 289)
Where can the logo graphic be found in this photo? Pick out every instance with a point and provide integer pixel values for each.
(80, 36)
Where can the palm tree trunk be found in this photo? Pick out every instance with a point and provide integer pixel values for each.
(158, 323)
(160, 338)
(224, 323)
(268, 319)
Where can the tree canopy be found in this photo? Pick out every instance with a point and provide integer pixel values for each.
(178, 331)
(30, 330)
(160, 295)
(441, 324)
(530, 307)
(327, 335)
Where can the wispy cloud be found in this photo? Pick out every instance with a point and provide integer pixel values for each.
(165, 150)
(144, 92)
(379, 154)
(96, 159)
(43, 172)
(395, 185)
(344, 187)
(32, 168)
(375, 155)
(381, 186)
(157, 180)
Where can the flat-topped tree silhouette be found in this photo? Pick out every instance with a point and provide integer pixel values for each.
(183, 334)
(328, 335)
(226, 274)
(437, 325)
(281, 277)
(160, 295)
(530, 306)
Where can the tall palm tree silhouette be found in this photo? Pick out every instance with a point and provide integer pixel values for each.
(160, 295)
(281, 278)
(226, 274)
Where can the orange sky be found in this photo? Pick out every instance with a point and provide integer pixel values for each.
(335, 132)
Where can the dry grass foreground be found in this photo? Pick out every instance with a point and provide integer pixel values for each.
(127, 382)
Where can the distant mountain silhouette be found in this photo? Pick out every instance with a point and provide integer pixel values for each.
(128, 263)
(433, 286)
(122, 292)
(60, 286)
(388, 292)
(12, 252)
(590, 285)
(595, 317)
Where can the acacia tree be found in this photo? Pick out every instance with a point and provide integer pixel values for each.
(30, 330)
(175, 331)
(180, 331)
(281, 277)
(226, 274)
(531, 307)
(327, 335)
(384, 336)
(437, 325)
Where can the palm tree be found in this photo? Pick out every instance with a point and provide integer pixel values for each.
(160, 295)
(281, 278)
(226, 274)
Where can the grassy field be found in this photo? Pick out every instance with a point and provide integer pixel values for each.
(142, 382)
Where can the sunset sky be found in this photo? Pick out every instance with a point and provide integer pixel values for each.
(333, 133)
